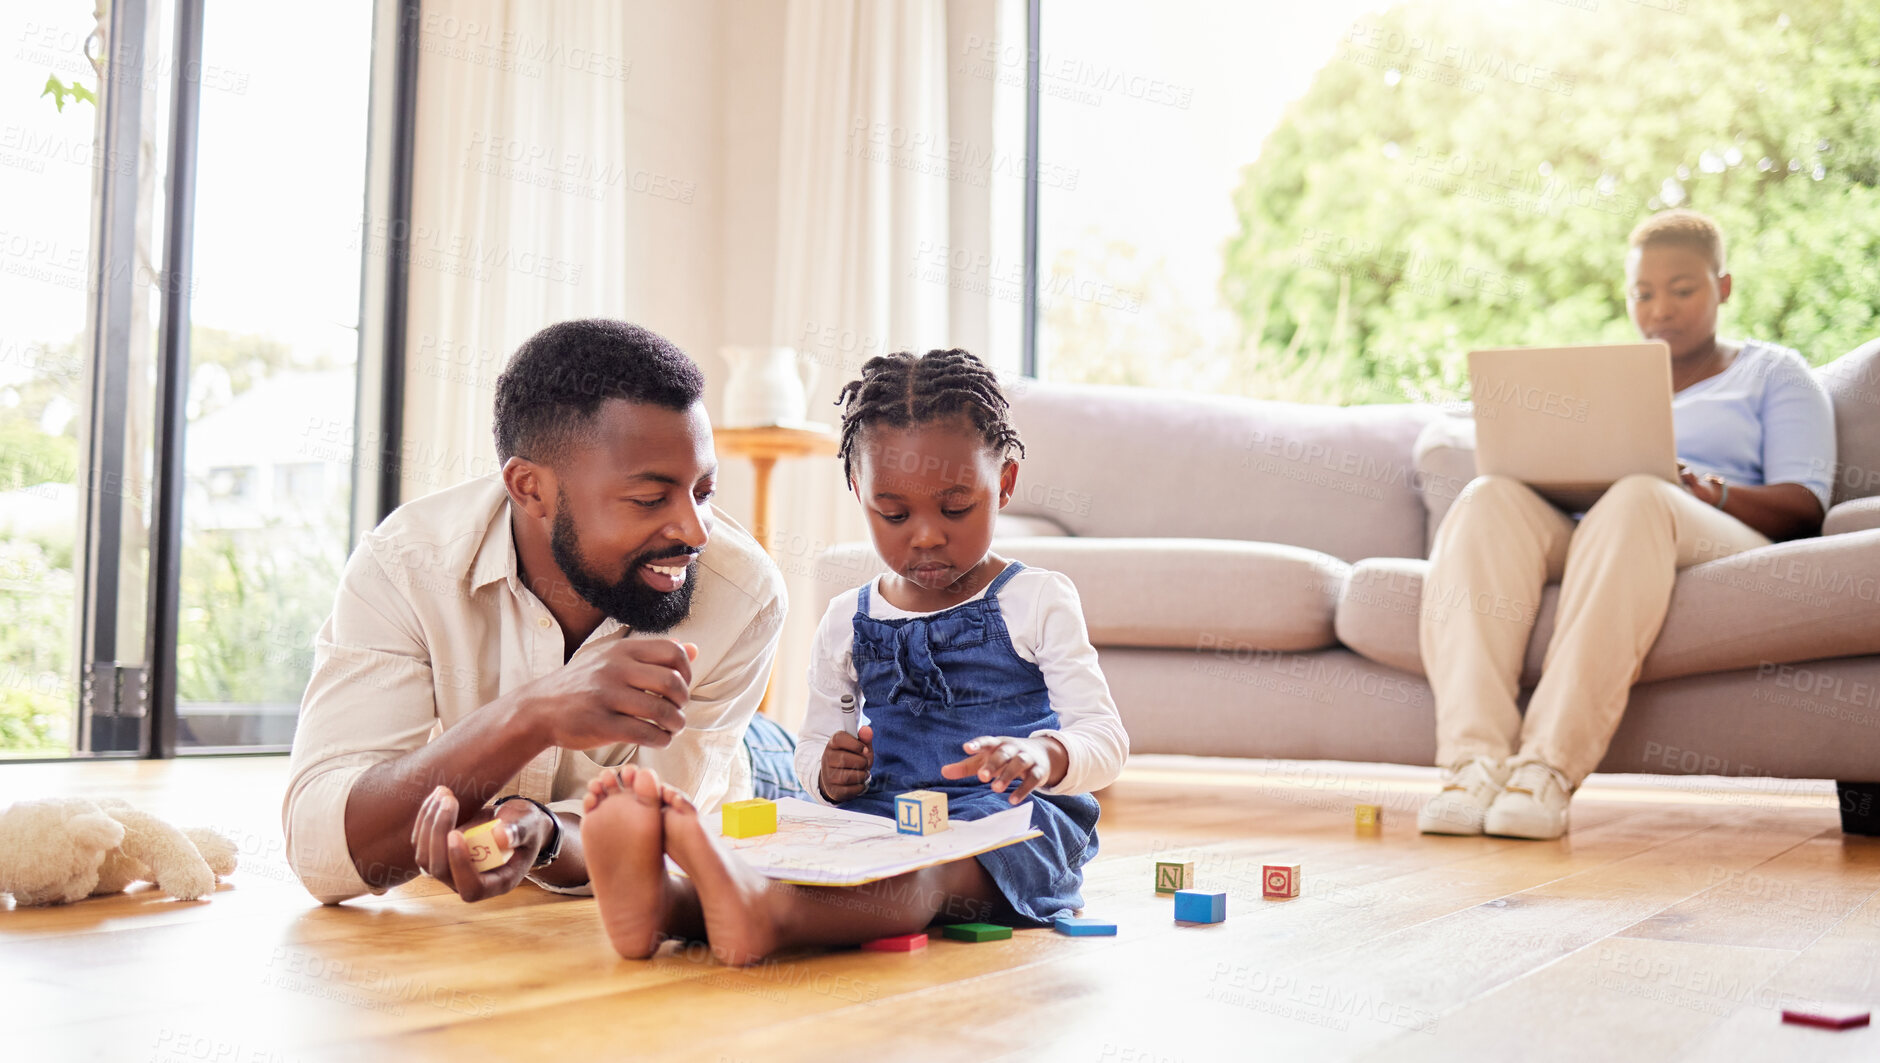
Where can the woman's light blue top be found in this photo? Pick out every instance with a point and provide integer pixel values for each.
(1764, 420)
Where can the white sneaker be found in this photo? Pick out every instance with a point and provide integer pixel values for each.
(1532, 805)
(1468, 791)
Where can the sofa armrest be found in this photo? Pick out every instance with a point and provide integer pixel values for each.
(1444, 458)
(1857, 514)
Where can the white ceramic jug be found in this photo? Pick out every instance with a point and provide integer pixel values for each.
(765, 387)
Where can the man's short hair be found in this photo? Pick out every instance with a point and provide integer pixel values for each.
(548, 394)
(1682, 228)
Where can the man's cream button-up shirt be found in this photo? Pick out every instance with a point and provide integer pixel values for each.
(431, 623)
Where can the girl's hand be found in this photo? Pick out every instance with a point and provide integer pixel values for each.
(1023, 764)
(845, 764)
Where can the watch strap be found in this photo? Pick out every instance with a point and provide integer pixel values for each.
(553, 848)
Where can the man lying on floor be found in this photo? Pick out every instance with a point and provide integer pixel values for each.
(514, 635)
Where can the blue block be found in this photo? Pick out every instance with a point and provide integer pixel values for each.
(1200, 906)
(1085, 928)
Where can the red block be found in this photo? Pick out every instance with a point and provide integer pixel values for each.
(1828, 1017)
(903, 943)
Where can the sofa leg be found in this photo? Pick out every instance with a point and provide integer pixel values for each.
(1860, 807)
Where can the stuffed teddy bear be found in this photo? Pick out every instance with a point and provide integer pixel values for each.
(65, 849)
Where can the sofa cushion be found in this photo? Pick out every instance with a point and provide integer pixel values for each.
(1378, 612)
(1209, 594)
(1853, 382)
(1121, 462)
(1797, 601)
(1855, 514)
(1444, 459)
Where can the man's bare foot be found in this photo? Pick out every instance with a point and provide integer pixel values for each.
(621, 834)
(739, 904)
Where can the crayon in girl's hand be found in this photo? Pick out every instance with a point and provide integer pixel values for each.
(851, 720)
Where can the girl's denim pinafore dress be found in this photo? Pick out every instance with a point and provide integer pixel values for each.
(930, 683)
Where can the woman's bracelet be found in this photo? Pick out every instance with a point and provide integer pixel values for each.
(1723, 492)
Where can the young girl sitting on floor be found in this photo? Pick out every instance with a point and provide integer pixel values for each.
(977, 678)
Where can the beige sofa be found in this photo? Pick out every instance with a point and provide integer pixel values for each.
(1251, 573)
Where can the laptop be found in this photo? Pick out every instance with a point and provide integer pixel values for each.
(1572, 421)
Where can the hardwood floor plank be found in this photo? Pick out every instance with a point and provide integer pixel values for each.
(1616, 1000)
(1783, 903)
(1843, 964)
(1400, 944)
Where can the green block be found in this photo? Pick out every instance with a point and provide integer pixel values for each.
(977, 932)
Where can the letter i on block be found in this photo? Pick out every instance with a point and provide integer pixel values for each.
(1280, 880)
(1170, 876)
(920, 812)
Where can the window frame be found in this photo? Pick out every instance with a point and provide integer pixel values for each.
(127, 708)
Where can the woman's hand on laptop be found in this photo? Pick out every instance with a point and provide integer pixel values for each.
(1707, 488)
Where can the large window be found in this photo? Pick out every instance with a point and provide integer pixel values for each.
(273, 345)
(257, 295)
(48, 158)
(1335, 202)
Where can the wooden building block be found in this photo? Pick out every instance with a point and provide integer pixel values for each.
(1078, 927)
(977, 932)
(920, 812)
(1280, 880)
(1171, 876)
(899, 943)
(485, 853)
(1827, 1016)
(748, 819)
(1200, 906)
(1369, 817)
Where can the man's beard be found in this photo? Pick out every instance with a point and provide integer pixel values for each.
(630, 600)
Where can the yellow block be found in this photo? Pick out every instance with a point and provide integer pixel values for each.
(485, 853)
(748, 819)
(1368, 817)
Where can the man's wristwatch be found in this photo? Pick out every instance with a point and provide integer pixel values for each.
(551, 850)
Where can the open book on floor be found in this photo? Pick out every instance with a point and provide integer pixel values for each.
(819, 846)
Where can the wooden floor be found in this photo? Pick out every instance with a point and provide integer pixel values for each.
(1669, 924)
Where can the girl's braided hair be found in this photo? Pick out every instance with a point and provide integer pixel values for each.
(903, 389)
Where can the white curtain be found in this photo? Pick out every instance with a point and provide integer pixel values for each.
(890, 163)
(599, 158)
(520, 208)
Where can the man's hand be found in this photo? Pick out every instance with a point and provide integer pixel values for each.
(846, 761)
(628, 691)
(1023, 763)
(443, 854)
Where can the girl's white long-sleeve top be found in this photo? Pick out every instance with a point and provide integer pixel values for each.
(1046, 621)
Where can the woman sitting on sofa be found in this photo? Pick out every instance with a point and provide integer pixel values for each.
(1755, 437)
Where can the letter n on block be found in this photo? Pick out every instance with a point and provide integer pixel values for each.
(1170, 876)
(920, 812)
